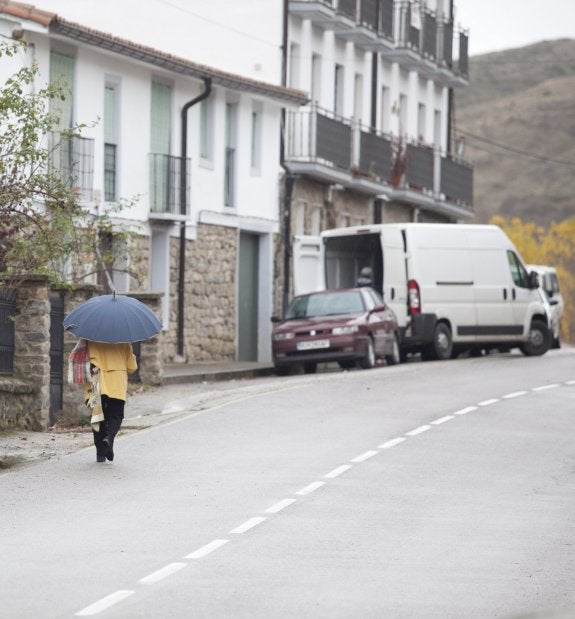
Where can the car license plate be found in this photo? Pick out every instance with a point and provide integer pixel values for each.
(313, 345)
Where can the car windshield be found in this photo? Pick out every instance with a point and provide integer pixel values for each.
(327, 304)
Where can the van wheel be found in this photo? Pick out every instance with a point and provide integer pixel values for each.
(368, 361)
(395, 356)
(539, 340)
(442, 346)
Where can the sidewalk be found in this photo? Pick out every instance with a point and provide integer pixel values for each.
(210, 371)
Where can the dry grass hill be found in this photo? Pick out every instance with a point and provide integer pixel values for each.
(518, 120)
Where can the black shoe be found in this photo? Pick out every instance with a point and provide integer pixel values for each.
(107, 444)
(100, 458)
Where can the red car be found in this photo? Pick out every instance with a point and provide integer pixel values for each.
(350, 326)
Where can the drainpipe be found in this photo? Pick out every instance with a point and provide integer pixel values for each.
(183, 202)
(450, 94)
(289, 177)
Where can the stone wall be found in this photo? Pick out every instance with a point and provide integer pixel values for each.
(25, 396)
(210, 304)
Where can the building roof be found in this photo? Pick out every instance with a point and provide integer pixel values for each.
(71, 30)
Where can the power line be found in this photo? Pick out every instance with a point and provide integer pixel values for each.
(517, 151)
(217, 23)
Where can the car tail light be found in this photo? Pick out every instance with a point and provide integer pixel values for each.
(414, 298)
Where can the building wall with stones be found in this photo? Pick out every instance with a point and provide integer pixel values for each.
(210, 297)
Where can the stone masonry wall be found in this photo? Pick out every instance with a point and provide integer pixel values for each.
(210, 302)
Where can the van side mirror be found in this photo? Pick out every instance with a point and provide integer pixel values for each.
(533, 280)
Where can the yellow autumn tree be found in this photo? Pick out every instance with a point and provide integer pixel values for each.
(554, 246)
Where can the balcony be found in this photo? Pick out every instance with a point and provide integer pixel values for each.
(165, 186)
(402, 31)
(72, 158)
(334, 150)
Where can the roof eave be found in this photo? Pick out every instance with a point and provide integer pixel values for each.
(175, 64)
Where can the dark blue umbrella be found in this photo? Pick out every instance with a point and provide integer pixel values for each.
(114, 319)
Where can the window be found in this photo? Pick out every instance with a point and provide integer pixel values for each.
(385, 109)
(160, 134)
(230, 155)
(402, 114)
(71, 157)
(256, 138)
(518, 271)
(299, 217)
(62, 70)
(316, 78)
(338, 89)
(358, 97)
(315, 220)
(421, 122)
(437, 129)
(294, 65)
(207, 129)
(110, 142)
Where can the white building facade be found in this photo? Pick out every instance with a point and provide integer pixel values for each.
(196, 150)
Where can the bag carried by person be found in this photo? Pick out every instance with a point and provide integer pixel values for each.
(79, 364)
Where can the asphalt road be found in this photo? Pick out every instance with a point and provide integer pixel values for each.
(441, 489)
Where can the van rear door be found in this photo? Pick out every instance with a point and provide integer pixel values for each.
(308, 266)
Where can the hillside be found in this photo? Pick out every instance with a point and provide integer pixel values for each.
(518, 120)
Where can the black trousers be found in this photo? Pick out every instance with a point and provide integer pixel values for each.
(113, 416)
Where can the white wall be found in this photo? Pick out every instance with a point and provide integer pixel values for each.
(249, 32)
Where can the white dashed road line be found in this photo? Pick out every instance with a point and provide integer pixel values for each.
(515, 394)
(419, 430)
(392, 443)
(441, 420)
(488, 402)
(248, 524)
(338, 471)
(103, 604)
(365, 456)
(545, 387)
(311, 488)
(166, 571)
(203, 551)
(464, 411)
(280, 505)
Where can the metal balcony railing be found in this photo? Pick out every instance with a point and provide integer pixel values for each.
(73, 159)
(405, 31)
(165, 184)
(333, 149)
(318, 136)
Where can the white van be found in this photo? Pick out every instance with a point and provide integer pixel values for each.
(453, 287)
(549, 284)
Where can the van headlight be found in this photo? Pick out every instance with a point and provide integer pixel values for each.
(347, 330)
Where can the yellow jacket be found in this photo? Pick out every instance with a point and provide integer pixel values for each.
(115, 362)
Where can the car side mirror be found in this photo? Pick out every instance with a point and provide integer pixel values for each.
(533, 280)
(276, 319)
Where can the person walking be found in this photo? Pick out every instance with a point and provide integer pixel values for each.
(110, 365)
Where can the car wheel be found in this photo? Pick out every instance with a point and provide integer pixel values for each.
(368, 361)
(395, 356)
(442, 346)
(283, 370)
(539, 340)
(310, 368)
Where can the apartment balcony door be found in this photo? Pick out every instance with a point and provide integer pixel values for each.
(248, 297)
